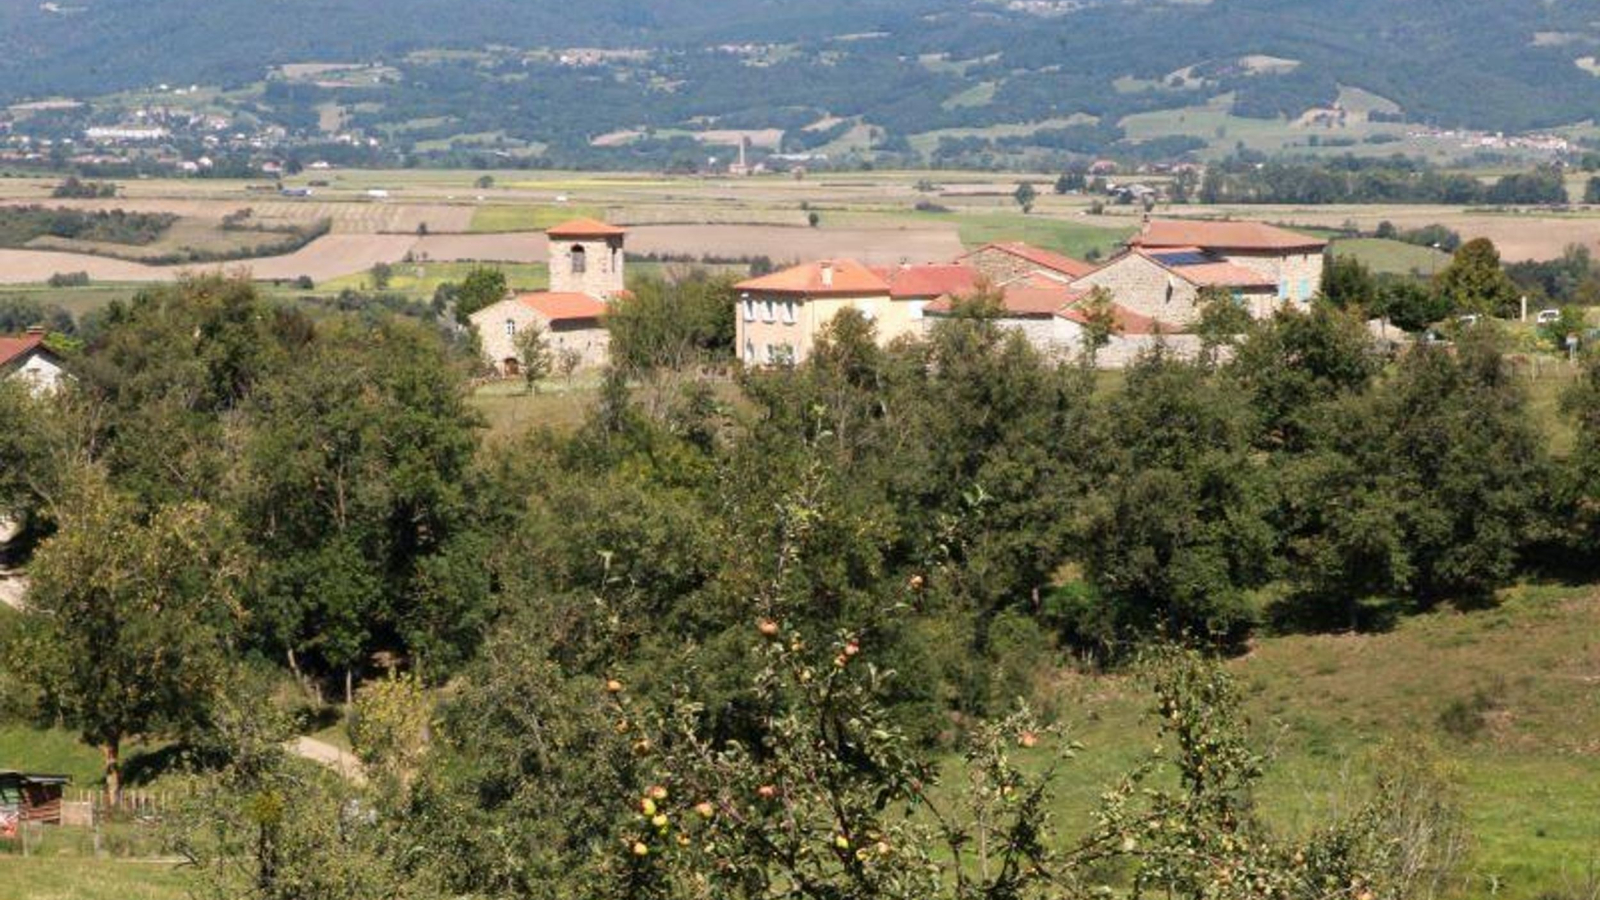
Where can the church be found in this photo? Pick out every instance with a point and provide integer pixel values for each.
(586, 273)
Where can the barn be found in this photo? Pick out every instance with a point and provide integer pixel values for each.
(29, 797)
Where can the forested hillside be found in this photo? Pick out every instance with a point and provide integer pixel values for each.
(906, 66)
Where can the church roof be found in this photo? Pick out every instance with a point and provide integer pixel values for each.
(586, 228)
(563, 306)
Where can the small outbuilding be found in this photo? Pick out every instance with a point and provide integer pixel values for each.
(29, 797)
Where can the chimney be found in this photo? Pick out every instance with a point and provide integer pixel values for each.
(827, 274)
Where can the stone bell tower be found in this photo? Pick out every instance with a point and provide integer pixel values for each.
(586, 257)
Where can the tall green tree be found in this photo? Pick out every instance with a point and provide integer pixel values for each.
(484, 286)
(1475, 282)
(132, 621)
(355, 469)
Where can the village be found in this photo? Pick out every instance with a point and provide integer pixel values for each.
(1154, 290)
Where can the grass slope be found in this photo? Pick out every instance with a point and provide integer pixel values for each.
(1528, 760)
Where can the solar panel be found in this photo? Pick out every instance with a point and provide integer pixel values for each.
(1184, 258)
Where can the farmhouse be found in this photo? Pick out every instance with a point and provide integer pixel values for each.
(1291, 262)
(26, 358)
(1051, 315)
(1003, 262)
(781, 315)
(587, 272)
(1166, 284)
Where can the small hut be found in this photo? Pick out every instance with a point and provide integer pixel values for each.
(29, 797)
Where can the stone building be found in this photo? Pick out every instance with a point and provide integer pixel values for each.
(586, 257)
(1004, 262)
(780, 315)
(1050, 315)
(1166, 284)
(1292, 263)
(587, 272)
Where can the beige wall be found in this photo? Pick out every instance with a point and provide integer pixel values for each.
(1142, 286)
(41, 374)
(771, 325)
(1298, 276)
(500, 343)
(1147, 289)
(604, 267)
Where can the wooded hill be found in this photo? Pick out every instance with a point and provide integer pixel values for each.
(901, 65)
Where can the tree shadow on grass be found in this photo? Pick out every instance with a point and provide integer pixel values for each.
(146, 766)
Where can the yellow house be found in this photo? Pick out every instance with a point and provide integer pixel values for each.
(780, 315)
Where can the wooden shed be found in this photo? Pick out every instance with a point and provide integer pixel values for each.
(29, 797)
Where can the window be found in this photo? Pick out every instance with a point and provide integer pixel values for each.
(916, 308)
(580, 259)
(782, 354)
(749, 310)
(788, 312)
(749, 351)
(1305, 288)
(1283, 288)
(865, 307)
(511, 328)
(768, 311)
(1238, 298)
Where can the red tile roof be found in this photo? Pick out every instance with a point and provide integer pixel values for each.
(1221, 236)
(931, 280)
(1045, 259)
(563, 307)
(1027, 297)
(839, 278)
(13, 349)
(1128, 321)
(586, 228)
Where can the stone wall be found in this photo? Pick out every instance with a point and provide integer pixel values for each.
(499, 343)
(1297, 275)
(1142, 286)
(603, 272)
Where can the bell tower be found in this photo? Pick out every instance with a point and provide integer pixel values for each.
(586, 257)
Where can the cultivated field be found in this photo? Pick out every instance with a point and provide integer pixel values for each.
(879, 217)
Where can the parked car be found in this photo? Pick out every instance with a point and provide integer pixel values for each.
(1546, 316)
(1467, 321)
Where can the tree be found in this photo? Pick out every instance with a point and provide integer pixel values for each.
(381, 273)
(1591, 190)
(1410, 305)
(673, 325)
(353, 479)
(1025, 195)
(1476, 283)
(1179, 529)
(1347, 282)
(813, 218)
(483, 287)
(1099, 322)
(1223, 320)
(567, 362)
(484, 182)
(131, 623)
(533, 347)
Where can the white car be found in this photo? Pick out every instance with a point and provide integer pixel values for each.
(1546, 316)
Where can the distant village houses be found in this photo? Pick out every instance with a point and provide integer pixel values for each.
(1156, 283)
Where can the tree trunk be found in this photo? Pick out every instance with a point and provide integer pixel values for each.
(349, 689)
(113, 754)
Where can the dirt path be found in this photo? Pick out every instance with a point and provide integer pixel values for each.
(325, 754)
